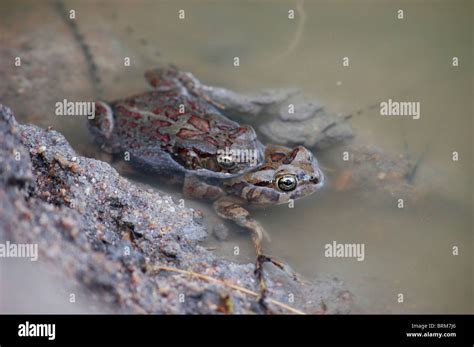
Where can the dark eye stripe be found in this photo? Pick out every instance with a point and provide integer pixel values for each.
(277, 156)
(291, 156)
(263, 184)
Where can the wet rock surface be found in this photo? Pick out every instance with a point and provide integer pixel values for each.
(374, 173)
(132, 249)
(284, 116)
(321, 131)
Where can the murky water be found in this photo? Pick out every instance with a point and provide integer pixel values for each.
(408, 250)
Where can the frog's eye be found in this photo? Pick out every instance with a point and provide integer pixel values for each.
(226, 162)
(287, 183)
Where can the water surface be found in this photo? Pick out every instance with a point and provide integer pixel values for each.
(407, 251)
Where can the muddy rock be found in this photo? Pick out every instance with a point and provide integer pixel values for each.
(306, 109)
(373, 172)
(319, 132)
(132, 250)
(284, 116)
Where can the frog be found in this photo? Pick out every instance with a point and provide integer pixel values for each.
(174, 131)
(287, 174)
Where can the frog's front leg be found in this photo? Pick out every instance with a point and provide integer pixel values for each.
(231, 208)
(196, 188)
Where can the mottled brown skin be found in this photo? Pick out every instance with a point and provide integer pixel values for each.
(170, 78)
(163, 140)
(170, 130)
(259, 188)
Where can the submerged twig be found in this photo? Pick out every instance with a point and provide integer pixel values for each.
(298, 33)
(84, 46)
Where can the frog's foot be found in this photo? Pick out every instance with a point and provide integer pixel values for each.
(169, 78)
(163, 79)
(196, 88)
(228, 207)
(198, 92)
(262, 259)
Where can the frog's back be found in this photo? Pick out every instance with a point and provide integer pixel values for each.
(169, 119)
(181, 133)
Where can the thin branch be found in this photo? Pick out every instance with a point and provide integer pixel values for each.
(298, 33)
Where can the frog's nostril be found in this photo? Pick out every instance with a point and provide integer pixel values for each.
(318, 178)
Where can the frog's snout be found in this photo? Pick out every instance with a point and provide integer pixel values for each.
(318, 178)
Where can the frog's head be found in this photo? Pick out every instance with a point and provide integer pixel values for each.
(224, 151)
(286, 174)
(239, 151)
